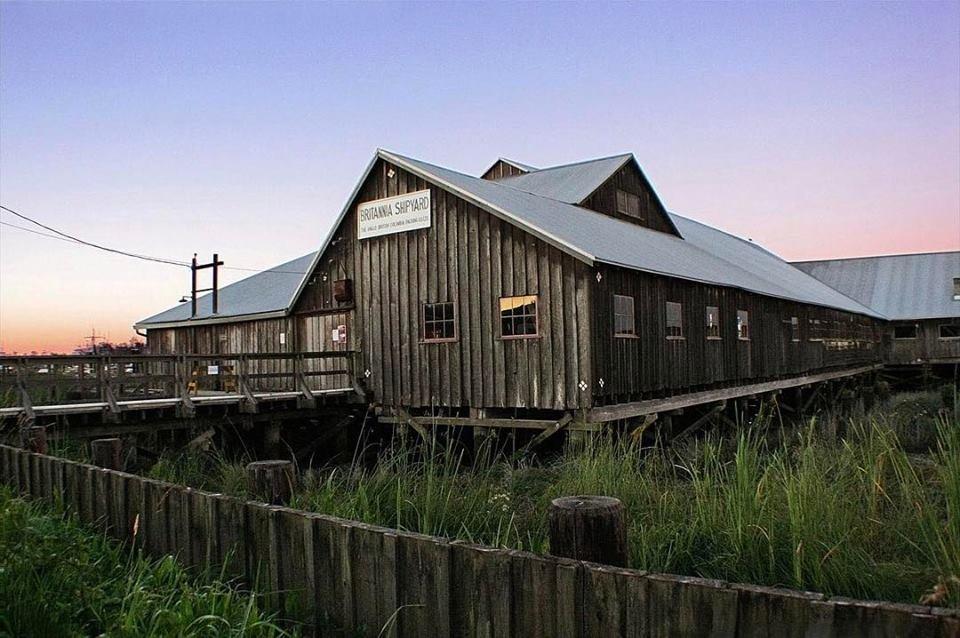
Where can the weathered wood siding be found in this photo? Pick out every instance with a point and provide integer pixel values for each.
(651, 365)
(927, 347)
(629, 179)
(502, 169)
(470, 258)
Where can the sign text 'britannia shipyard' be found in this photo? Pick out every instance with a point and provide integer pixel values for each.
(393, 214)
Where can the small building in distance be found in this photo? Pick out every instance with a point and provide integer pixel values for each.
(918, 293)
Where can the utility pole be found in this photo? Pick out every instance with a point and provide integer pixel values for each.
(93, 336)
(194, 267)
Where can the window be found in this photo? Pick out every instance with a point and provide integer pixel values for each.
(518, 317)
(815, 332)
(628, 203)
(794, 329)
(713, 322)
(905, 332)
(956, 288)
(743, 325)
(439, 321)
(950, 331)
(624, 324)
(674, 320)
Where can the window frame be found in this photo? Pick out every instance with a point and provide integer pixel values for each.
(745, 324)
(627, 197)
(666, 323)
(452, 321)
(916, 332)
(795, 330)
(940, 328)
(535, 315)
(956, 288)
(716, 323)
(633, 317)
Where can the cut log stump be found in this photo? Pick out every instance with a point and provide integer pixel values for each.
(34, 438)
(107, 453)
(590, 528)
(271, 481)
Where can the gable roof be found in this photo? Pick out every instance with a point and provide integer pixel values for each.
(708, 255)
(265, 294)
(520, 165)
(570, 183)
(917, 286)
(703, 254)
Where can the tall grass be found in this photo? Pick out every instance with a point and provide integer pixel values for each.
(864, 515)
(58, 578)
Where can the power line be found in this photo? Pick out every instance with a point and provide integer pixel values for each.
(163, 260)
(93, 245)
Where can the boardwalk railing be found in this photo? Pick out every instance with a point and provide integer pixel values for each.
(114, 383)
(332, 573)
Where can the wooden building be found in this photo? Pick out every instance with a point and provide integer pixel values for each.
(919, 294)
(566, 290)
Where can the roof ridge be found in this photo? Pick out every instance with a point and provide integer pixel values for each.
(587, 161)
(914, 254)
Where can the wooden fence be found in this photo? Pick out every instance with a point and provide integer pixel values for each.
(331, 572)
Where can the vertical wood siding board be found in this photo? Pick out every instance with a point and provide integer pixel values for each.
(433, 291)
(376, 319)
(406, 316)
(423, 585)
(199, 528)
(604, 602)
(518, 347)
(135, 510)
(455, 370)
(507, 290)
(583, 331)
(548, 397)
(117, 505)
(481, 591)
(570, 331)
(532, 347)
(262, 559)
(23, 473)
(396, 319)
(445, 293)
(463, 301)
(5, 465)
(36, 480)
(423, 288)
(484, 336)
(101, 482)
(496, 291)
(373, 574)
(230, 535)
(473, 255)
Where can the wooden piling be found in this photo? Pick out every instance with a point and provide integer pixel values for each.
(34, 438)
(271, 481)
(107, 453)
(591, 528)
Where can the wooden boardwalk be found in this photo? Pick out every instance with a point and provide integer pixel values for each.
(112, 385)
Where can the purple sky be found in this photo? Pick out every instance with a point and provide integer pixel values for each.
(818, 130)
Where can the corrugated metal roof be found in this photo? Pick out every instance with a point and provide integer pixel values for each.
(520, 165)
(918, 286)
(269, 291)
(571, 183)
(707, 255)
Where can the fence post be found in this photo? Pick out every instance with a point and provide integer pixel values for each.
(590, 528)
(271, 481)
(34, 438)
(107, 453)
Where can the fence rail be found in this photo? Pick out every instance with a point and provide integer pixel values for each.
(334, 573)
(114, 383)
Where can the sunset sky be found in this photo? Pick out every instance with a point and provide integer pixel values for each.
(818, 130)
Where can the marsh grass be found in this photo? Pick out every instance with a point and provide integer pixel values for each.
(861, 515)
(58, 578)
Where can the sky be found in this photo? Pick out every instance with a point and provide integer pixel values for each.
(818, 130)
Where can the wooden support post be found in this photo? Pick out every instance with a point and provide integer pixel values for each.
(413, 423)
(185, 408)
(544, 435)
(34, 438)
(306, 398)
(248, 405)
(107, 453)
(271, 481)
(700, 421)
(271, 438)
(637, 432)
(590, 528)
(25, 402)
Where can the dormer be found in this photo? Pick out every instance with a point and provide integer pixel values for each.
(614, 186)
(504, 167)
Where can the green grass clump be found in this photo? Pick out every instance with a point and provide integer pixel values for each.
(58, 578)
(860, 516)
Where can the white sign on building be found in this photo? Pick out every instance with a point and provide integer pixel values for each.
(393, 214)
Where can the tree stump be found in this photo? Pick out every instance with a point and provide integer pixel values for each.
(107, 453)
(271, 481)
(590, 528)
(34, 438)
